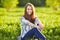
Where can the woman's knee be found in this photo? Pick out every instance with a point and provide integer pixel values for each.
(34, 29)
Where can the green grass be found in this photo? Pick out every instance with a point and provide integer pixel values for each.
(10, 22)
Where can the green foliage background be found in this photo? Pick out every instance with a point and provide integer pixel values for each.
(10, 23)
(35, 2)
(8, 3)
(10, 27)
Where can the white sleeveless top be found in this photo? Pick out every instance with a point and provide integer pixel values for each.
(26, 27)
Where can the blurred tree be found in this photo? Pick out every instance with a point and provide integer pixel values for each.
(35, 2)
(9, 3)
(53, 3)
(23, 2)
(38, 2)
(0, 3)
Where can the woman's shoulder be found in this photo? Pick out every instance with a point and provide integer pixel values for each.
(36, 18)
(22, 17)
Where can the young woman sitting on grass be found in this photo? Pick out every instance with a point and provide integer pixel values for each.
(31, 26)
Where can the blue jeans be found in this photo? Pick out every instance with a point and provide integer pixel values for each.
(34, 32)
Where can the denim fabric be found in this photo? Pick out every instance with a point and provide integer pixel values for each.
(34, 32)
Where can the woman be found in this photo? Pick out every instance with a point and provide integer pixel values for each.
(31, 26)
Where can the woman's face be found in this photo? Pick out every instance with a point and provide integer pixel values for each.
(29, 10)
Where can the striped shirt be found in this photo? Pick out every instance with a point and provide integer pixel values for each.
(26, 27)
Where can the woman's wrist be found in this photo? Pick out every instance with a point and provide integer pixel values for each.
(33, 25)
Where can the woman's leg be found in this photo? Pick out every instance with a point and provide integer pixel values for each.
(35, 32)
(28, 35)
(38, 34)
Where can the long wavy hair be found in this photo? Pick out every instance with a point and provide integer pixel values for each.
(31, 18)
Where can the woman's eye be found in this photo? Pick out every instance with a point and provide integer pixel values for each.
(29, 9)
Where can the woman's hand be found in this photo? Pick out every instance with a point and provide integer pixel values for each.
(41, 27)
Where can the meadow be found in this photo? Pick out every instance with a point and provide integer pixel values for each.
(10, 27)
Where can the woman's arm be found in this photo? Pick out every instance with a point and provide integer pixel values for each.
(39, 23)
(24, 21)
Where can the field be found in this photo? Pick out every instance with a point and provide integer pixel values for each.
(10, 22)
